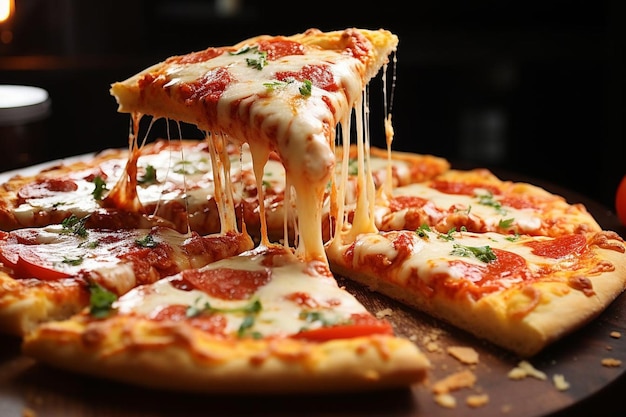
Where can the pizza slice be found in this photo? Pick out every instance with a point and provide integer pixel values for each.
(51, 272)
(479, 201)
(261, 322)
(519, 292)
(283, 94)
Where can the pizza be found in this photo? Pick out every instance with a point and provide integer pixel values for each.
(287, 170)
(519, 292)
(260, 322)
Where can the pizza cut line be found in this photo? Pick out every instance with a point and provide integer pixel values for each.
(508, 262)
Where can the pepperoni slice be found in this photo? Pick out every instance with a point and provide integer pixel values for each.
(559, 247)
(478, 280)
(278, 48)
(196, 57)
(320, 75)
(210, 323)
(451, 187)
(46, 187)
(207, 89)
(405, 201)
(225, 283)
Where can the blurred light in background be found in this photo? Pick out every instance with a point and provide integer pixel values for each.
(7, 8)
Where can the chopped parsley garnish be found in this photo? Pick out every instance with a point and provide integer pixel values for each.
(100, 301)
(257, 63)
(92, 244)
(100, 186)
(185, 168)
(147, 242)
(422, 231)
(250, 311)
(482, 253)
(73, 261)
(75, 225)
(506, 223)
(447, 236)
(306, 88)
(488, 200)
(513, 238)
(316, 316)
(424, 228)
(273, 85)
(149, 176)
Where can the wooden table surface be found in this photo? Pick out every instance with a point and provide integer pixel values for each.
(26, 386)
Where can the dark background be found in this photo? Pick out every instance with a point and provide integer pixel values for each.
(528, 87)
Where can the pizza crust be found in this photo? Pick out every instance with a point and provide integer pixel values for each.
(24, 304)
(181, 358)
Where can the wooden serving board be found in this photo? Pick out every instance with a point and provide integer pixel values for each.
(27, 386)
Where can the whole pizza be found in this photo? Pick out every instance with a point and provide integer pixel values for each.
(211, 265)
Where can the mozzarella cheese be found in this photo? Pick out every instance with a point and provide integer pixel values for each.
(280, 314)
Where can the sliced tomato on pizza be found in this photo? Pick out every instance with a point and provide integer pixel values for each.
(114, 260)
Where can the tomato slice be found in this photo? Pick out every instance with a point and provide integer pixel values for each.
(362, 325)
(26, 263)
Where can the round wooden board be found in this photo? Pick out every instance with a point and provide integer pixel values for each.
(27, 386)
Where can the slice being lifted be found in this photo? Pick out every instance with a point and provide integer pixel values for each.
(285, 94)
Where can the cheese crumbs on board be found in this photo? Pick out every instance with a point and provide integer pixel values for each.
(463, 354)
(445, 400)
(455, 381)
(525, 369)
(611, 362)
(477, 400)
(560, 383)
(386, 312)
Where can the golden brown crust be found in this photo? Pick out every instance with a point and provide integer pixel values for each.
(132, 97)
(406, 167)
(26, 303)
(522, 319)
(181, 357)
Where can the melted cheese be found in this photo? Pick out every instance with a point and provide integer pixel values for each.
(430, 256)
(528, 220)
(279, 315)
(304, 125)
